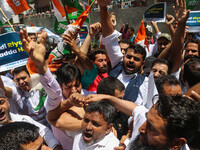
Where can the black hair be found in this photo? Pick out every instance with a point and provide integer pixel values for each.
(169, 80)
(109, 85)
(132, 29)
(93, 53)
(182, 116)
(104, 108)
(191, 71)
(124, 41)
(66, 73)
(12, 135)
(137, 49)
(20, 69)
(161, 61)
(148, 33)
(194, 40)
(29, 34)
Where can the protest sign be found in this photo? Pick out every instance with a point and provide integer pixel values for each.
(194, 21)
(156, 12)
(12, 54)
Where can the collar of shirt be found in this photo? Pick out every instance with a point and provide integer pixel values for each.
(125, 79)
(128, 75)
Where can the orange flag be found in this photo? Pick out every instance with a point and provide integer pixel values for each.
(54, 66)
(80, 20)
(141, 36)
(12, 8)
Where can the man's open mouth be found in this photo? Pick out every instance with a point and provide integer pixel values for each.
(130, 67)
(87, 136)
(2, 116)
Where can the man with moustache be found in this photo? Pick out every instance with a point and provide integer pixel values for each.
(171, 123)
(96, 125)
(99, 58)
(96, 128)
(127, 67)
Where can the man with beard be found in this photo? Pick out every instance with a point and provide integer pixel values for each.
(164, 40)
(171, 123)
(127, 67)
(191, 49)
(99, 58)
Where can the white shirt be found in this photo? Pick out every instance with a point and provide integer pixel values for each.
(139, 117)
(45, 132)
(126, 78)
(54, 98)
(177, 75)
(107, 143)
(24, 103)
(149, 93)
(114, 52)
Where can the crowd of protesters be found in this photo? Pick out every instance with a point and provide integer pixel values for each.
(114, 94)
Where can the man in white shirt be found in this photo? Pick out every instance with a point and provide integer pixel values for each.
(171, 123)
(96, 128)
(96, 125)
(22, 98)
(7, 117)
(127, 67)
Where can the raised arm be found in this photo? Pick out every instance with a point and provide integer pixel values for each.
(8, 91)
(155, 27)
(36, 51)
(122, 105)
(85, 61)
(93, 30)
(107, 27)
(174, 52)
(169, 22)
(110, 37)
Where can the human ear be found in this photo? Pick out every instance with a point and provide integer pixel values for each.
(109, 128)
(177, 143)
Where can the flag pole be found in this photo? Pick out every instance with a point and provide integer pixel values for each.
(65, 12)
(7, 19)
(92, 3)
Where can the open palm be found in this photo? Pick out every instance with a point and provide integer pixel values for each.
(36, 51)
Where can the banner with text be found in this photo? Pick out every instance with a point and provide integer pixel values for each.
(12, 54)
(194, 21)
(156, 12)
